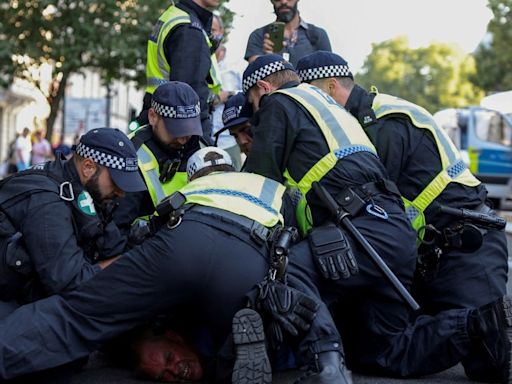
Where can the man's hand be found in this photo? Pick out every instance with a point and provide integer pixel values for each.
(291, 310)
(268, 45)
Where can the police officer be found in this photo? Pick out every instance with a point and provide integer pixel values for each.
(163, 148)
(429, 173)
(179, 49)
(51, 233)
(302, 135)
(236, 118)
(210, 257)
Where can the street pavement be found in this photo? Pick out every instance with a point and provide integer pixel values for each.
(97, 371)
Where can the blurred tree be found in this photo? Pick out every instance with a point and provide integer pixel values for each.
(494, 56)
(59, 38)
(434, 77)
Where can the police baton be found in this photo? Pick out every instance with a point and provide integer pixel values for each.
(342, 217)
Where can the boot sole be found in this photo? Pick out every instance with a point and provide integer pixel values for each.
(252, 365)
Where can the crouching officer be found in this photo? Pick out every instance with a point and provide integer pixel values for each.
(163, 148)
(462, 259)
(210, 257)
(236, 117)
(50, 231)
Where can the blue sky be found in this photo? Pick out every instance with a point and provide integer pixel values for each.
(353, 25)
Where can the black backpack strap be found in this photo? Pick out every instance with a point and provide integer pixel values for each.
(142, 135)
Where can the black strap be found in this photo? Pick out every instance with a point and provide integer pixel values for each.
(141, 136)
(259, 233)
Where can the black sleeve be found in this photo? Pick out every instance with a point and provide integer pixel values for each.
(390, 137)
(273, 136)
(52, 244)
(132, 206)
(255, 44)
(188, 55)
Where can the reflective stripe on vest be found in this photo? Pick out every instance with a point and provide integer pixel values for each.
(157, 67)
(342, 132)
(150, 169)
(253, 196)
(454, 168)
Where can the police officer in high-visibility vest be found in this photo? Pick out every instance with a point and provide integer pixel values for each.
(302, 135)
(210, 257)
(430, 173)
(52, 231)
(179, 49)
(163, 148)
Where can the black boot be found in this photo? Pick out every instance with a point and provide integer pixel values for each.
(329, 368)
(252, 365)
(490, 326)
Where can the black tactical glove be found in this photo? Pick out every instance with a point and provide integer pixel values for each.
(332, 253)
(290, 309)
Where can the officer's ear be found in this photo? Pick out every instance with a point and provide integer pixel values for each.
(152, 116)
(265, 86)
(88, 168)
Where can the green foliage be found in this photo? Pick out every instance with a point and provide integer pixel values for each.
(434, 77)
(494, 56)
(66, 36)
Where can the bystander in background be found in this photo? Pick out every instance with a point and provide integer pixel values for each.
(23, 149)
(300, 38)
(231, 80)
(41, 149)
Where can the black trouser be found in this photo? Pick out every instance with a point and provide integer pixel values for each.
(194, 263)
(203, 261)
(468, 280)
(380, 333)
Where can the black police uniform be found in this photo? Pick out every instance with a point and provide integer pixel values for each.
(213, 270)
(55, 242)
(188, 55)
(411, 158)
(140, 204)
(380, 333)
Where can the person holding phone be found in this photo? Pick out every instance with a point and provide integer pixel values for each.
(290, 36)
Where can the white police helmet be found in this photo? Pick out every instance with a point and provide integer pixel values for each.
(197, 161)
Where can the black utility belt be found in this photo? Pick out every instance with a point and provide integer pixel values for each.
(258, 232)
(353, 199)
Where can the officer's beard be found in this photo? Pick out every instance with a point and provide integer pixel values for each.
(286, 14)
(93, 187)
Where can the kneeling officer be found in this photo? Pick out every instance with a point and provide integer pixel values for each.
(50, 231)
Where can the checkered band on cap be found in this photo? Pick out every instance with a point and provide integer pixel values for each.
(106, 159)
(178, 111)
(311, 74)
(231, 113)
(261, 73)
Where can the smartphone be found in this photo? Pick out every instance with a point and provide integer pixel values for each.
(276, 33)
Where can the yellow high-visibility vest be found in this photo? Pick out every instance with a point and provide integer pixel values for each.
(150, 169)
(247, 194)
(454, 170)
(157, 67)
(342, 132)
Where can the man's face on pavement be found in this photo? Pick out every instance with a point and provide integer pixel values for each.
(285, 10)
(168, 359)
(243, 135)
